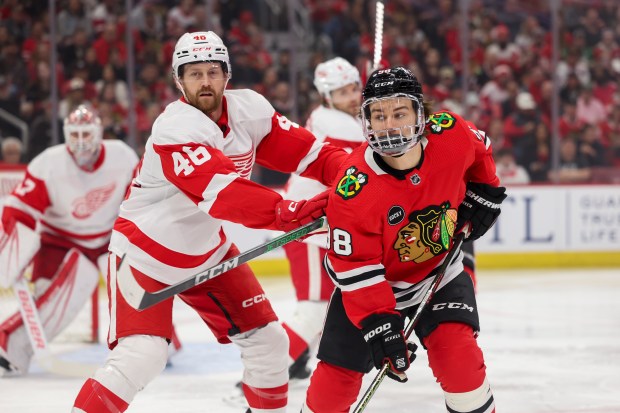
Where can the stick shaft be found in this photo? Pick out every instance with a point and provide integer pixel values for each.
(140, 299)
(374, 385)
(379, 11)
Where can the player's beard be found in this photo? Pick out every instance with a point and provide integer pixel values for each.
(207, 104)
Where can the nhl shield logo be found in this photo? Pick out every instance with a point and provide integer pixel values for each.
(415, 179)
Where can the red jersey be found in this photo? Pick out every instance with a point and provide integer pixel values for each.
(390, 229)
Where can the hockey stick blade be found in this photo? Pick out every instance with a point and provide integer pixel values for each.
(140, 299)
(36, 334)
(374, 385)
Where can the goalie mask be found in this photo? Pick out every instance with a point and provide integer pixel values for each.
(393, 111)
(199, 47)
(334, 74)
(83, 134)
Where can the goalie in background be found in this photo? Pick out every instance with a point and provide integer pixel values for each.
(68, 199)
(336, 122)
(400, 200)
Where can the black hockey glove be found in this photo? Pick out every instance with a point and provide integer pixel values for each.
(384, 334)
(480, 208)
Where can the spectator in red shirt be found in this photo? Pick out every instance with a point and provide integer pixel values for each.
(108, 41)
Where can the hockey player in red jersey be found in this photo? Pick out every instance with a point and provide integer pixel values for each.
(69, 198)
(195, 174)
(337, 122)
(397, 204)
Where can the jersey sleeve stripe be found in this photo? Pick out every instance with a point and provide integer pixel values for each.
(310, 157)
(215, 186)
(356, 279)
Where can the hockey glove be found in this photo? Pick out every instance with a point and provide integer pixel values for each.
(480, 208)
(384, 334)
(291, 215)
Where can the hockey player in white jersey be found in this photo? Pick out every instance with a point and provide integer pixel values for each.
(337, 122)
(68, 199)
(195, 174)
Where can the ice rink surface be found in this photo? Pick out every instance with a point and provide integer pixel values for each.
(551, 341)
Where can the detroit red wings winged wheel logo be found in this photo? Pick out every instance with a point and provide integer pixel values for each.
(85, 206)
(243, 163)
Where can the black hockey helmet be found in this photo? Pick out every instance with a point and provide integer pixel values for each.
(382, 83)
(384, 86)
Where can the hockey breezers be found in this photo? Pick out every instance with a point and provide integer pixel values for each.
(372, 388)
(140, 299)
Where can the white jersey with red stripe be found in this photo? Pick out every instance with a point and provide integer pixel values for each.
(69, 202)
(331, 126)
(194, 174)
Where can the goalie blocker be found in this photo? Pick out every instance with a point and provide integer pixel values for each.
(71, 287)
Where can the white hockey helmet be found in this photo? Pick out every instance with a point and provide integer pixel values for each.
(334, 74)
(200, 47)
(83, 135)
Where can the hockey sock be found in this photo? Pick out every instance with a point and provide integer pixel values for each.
(297, 344)
(333, 389)
(95, 398)
(458, 365)
(266, 399)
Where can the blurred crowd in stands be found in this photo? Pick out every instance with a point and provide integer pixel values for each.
(510, 64)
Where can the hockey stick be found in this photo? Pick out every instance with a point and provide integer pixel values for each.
(36, 335)
(430, 292)
(379, 11)
(140, 299)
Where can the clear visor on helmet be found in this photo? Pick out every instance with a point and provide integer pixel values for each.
(83, 142)
(393, 124)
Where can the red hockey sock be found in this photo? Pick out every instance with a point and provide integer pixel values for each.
(333, 389)
(297, 344)
(266, 398)
(455, 358)
(96, 398)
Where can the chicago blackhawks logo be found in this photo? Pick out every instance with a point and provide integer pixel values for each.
(440, 121)
(351, 183)
(85, 206)
(427, 234)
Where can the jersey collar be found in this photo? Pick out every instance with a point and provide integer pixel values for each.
(222, 122)
(380, 167)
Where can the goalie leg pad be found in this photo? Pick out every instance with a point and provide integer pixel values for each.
(304, 328)
(72, 286)
(332, 389)
(134, 362)
(265, 377)
(16, 251)
(458, 365)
